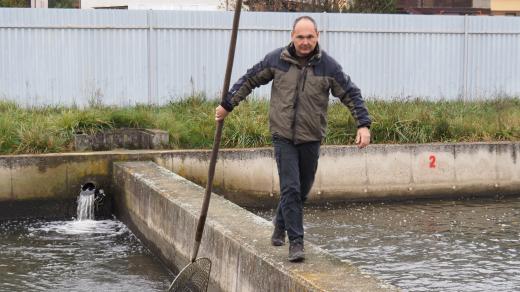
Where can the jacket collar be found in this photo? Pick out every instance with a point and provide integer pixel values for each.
(289, 55)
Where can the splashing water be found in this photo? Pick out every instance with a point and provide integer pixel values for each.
(86, 205)
(79, 256)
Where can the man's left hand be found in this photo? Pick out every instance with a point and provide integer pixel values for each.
(363, 137)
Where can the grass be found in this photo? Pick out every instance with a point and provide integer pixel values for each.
(190, 123)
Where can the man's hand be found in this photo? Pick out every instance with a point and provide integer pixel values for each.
(220, 113)
(363, 137)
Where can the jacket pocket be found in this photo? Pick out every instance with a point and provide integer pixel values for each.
(309, 127)
(317, 84)
(317, 90)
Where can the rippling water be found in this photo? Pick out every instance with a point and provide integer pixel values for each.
(468, 245)
(83, 255)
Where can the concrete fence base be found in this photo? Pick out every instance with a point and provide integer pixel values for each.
(122, 138)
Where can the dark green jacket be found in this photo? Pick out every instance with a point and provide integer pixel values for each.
(300, 94)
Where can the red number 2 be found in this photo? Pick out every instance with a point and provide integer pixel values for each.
(432, 161)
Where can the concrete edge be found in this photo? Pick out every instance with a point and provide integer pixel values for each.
(249, 177)
(164, 208)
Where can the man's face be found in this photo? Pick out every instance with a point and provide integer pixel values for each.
(304, 37)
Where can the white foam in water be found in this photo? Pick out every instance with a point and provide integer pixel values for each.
(100, 227)
(76, 255)
(84, 223)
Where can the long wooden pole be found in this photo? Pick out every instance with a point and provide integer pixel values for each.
(218, 134)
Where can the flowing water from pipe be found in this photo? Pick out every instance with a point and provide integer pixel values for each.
(86, 205)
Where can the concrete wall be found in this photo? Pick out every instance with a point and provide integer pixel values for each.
(48, 185)
(163, 208)
(249, 176)
(482, 4)
(379, 172)
(122, 138)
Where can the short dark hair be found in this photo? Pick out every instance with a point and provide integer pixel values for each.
(305, 17)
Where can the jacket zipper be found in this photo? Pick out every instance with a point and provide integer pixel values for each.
(303, 77)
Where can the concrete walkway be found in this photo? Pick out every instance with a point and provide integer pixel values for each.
(163, 208)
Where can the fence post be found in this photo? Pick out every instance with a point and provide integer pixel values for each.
(324, 27)
(465, 60)
(152, 58)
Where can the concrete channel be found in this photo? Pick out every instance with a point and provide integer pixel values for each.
(164, 208)
(154, 198)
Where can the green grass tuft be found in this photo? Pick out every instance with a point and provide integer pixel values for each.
(190, 123)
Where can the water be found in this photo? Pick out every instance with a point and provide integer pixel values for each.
(86, 205)
(469, 245)
(84, 255)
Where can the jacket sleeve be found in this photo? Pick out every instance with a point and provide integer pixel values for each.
(350, 95)
(259, 74)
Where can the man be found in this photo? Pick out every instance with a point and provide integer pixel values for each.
(303, 77)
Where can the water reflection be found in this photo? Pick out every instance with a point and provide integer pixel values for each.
(83, 255)
(468, 245)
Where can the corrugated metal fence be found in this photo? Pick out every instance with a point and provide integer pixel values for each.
(54, 56)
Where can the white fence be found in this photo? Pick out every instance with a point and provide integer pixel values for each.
(54, 56)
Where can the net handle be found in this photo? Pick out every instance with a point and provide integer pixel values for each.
(218, 133)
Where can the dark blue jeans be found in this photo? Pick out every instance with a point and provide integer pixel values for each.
(297, 166)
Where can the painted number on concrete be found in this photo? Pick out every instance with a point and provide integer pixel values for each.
(432, 161)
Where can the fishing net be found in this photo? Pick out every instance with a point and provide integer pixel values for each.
(193, 278)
